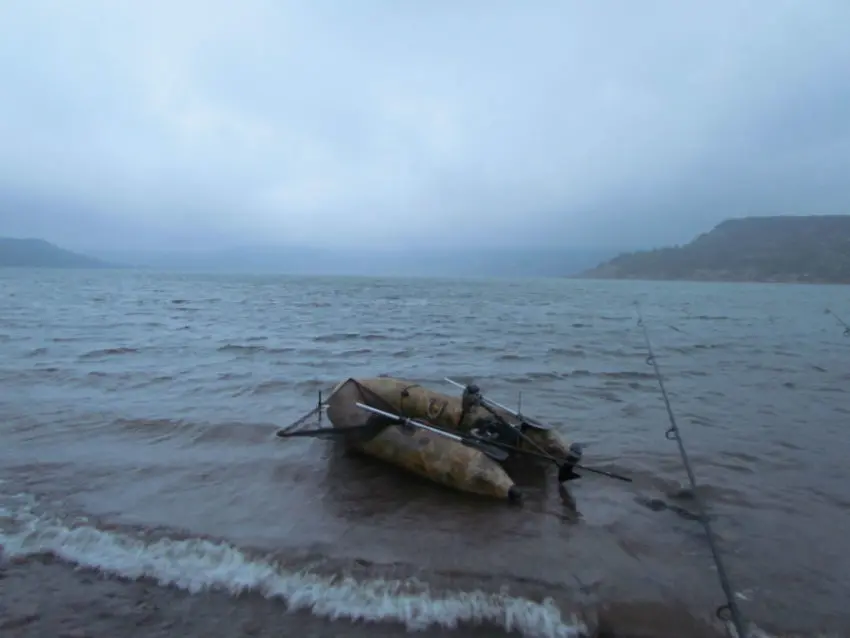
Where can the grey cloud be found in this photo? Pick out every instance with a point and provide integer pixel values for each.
(614, 123)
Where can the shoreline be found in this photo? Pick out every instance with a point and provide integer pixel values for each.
(706, 280)
(43, 595)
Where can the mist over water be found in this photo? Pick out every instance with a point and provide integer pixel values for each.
(138, 416)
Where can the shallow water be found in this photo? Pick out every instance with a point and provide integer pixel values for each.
(138, 414)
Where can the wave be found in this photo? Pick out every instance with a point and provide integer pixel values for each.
(346, 336)
(627, 374)
(107, 352)
(158, 430)
(514, 357)
(569, 352)
(195, 565)
(240, 349)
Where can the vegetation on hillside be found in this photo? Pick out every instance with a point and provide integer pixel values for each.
(812, 249)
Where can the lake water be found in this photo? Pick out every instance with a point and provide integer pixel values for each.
(138, 412)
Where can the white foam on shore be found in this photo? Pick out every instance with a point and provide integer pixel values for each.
(196, 565)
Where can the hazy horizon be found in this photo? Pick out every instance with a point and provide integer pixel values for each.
(211, 125)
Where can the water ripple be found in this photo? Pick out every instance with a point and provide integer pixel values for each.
(182, 380)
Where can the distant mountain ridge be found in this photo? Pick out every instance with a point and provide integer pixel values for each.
(309, 261)
(791, 249)
(373, 262)
(38, 253)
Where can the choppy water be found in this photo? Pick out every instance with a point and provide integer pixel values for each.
(137, 415)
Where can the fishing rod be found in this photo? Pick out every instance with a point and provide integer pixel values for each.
(673, 433)
(561, 464)
(565, 466)
(486, 445)
(485, 401)
(461, 439)
(840, 321)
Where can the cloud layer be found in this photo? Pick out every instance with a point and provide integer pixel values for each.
(557, 123)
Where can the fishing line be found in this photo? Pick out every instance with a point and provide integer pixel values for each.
(673, 433)
(565, 465)
(840, 321)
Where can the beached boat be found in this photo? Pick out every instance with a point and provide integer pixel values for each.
(460, 442)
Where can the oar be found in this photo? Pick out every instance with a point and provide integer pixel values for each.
(493, 452)
(533, 423)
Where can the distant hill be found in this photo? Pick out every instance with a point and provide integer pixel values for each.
(810, 249)
(37, 253)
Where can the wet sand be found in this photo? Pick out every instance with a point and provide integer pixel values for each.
(42, 596)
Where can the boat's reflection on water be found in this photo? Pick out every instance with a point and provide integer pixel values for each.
(359, 488)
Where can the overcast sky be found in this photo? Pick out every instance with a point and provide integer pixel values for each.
(144, 123)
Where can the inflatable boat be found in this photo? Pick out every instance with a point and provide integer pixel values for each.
(459, 442)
